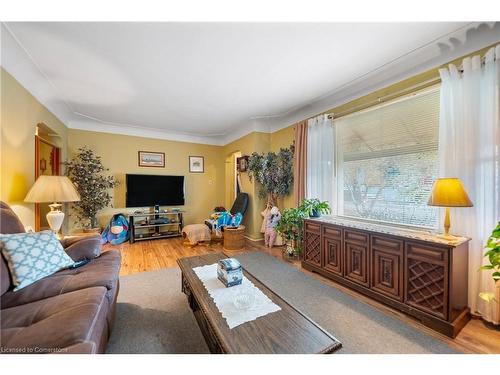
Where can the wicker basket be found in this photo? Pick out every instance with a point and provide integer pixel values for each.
(234, 238)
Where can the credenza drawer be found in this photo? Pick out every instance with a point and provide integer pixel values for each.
(386, 243)
(355, 236)
(332, 232)
(313, 227)
(426, 253)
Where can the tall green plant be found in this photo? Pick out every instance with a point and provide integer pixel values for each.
(493, 255)
(86, 171)
(274, 172)
(291, 226)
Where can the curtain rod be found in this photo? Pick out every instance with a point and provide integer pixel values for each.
(408, 90)
(385, 98)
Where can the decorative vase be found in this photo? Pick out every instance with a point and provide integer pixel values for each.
(315, 213)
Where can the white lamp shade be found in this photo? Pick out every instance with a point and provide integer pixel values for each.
(52, 189)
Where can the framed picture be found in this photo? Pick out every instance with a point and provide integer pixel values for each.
(196, 164)
(242, 163)
(43, 165)
(151, 159)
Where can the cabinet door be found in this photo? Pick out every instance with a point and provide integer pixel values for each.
(387, 266)
(332, 248)
(426, 278)
(312, 244)
(356, 263)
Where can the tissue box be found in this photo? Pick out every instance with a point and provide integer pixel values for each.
(229, 272)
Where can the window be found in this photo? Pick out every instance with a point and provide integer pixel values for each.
(387, 161)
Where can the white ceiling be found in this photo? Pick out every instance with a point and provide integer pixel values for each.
(199, 81)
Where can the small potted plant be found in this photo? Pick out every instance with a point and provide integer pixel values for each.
(493, 255)
(314, 207)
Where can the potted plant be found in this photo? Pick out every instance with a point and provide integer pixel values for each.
(86, 171)
(290, 227)
(493, 255)
(314, 207)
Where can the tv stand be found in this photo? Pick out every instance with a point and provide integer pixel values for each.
(155, 225)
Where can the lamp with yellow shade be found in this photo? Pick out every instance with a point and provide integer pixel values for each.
(448, 192)
(55, 189)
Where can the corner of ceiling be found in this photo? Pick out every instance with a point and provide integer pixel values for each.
(19, 63)
(245, 128)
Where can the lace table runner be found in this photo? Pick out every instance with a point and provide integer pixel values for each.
(224, 297)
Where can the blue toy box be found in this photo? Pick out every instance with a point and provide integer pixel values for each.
(229, 272)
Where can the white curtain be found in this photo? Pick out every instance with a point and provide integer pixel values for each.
(320, 146)
(469, 148)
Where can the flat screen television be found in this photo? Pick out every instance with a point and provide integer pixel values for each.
(148, 190)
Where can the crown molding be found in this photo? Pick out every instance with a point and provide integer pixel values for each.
(140, 131)
(245, 128)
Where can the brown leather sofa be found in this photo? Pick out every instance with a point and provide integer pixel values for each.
(71, 311)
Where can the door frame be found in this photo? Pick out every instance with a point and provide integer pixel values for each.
(56, 166)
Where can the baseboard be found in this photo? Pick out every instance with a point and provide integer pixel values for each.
(254, 239)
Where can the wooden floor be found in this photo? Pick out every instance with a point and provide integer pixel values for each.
(476, 337)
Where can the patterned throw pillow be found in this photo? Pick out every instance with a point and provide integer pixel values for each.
(32, 256)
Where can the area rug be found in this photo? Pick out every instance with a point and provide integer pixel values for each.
(153, 315)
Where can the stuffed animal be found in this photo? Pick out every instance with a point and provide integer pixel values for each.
(116, 232)
(272, 220)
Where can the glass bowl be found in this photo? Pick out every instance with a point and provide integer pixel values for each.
(244, 300)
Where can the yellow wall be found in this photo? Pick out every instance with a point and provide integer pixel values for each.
(20, 113)
(256, 142)
(204, 191)
(253, 142)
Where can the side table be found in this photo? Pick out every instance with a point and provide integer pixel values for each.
(234, 238)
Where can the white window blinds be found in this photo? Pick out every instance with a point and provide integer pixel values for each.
(386, 160)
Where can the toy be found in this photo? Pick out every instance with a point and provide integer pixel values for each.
(219, 220)
(116, 232)
(272, 220)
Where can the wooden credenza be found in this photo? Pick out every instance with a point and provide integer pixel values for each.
(419, 274)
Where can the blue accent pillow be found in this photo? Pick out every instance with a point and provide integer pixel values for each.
(32, 256)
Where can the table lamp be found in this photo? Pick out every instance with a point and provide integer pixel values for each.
(448, 192)
(53, 189)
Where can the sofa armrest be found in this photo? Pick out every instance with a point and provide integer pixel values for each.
(79, 247)
(70, 240)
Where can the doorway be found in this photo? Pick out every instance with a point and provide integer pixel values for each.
(47, 163)
(233, 185)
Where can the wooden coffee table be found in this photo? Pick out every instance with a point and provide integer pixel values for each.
(284, 331)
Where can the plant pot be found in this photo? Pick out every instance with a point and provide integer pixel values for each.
(290, 250)
(315, 213)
